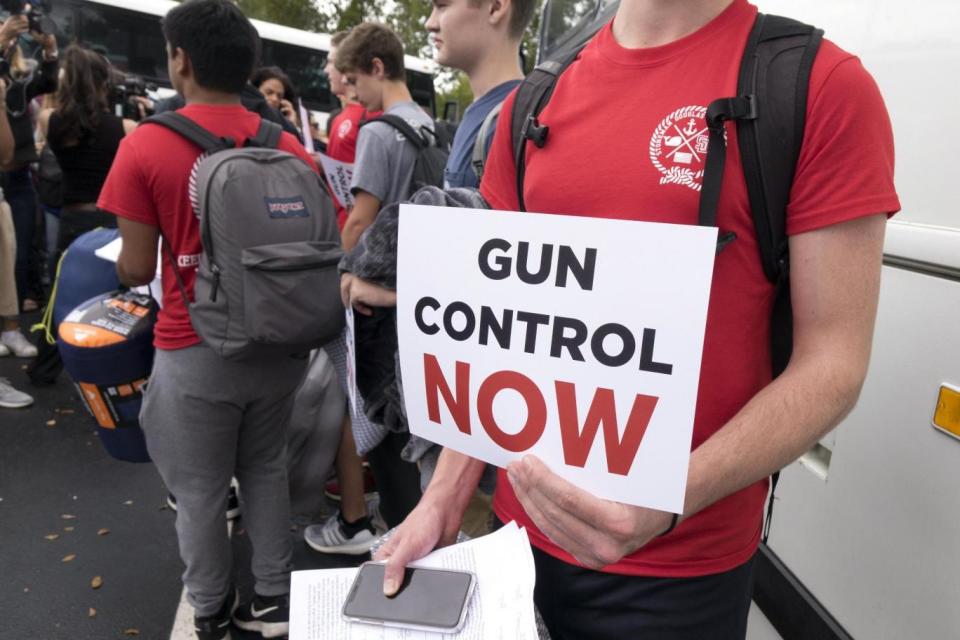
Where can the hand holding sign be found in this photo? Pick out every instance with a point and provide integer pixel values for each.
(596, 532)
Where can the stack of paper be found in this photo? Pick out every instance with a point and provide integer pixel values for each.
(501, 607)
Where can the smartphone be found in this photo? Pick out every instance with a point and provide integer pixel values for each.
(428, 600)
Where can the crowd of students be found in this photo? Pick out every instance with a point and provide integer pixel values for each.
(604, 569)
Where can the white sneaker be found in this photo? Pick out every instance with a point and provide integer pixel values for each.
(10, 398)
(336, 536)
(4, 352)
(17, 343)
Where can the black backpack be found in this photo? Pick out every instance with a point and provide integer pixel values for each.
(433, 149)
(769, 109)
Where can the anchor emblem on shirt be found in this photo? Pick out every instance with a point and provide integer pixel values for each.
(691, 128)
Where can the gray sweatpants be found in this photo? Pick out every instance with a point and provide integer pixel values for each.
(207, 419)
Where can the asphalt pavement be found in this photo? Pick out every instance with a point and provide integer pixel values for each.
(88, 549)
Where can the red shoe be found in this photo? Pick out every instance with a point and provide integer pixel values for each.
(332, 488)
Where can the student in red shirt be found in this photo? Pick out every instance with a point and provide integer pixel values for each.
(608, 570)
(207, 418)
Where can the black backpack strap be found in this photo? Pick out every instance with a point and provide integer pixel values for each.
(268, 135)
(190, 130)
(403, 127)
(532, 96)
(776, 71)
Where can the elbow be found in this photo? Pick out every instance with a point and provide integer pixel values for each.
(134, 275)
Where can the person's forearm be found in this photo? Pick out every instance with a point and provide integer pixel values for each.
(776, 427)
(454, 482)
(352, 231)
(6, 141)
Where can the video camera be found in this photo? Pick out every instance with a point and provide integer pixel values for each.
(124, 91)
(35, 14)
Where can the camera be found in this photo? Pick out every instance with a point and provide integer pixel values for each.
(35, 14)
(124, 91)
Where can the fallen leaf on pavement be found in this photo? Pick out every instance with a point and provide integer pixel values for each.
(65, 412)
(68, 528)
(52, 536)
(92, 613)
(128, 502)
(97, 582)
(69, 558)
(26, 589)
(131, 632)
(67, 516)
(51, 423)
(103, 532)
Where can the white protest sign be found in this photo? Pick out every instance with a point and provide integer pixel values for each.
(351, 363)
(339, 175)
(307, 133)
(575, 339)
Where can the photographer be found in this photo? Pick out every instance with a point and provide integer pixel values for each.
(24, 85)
(84, 136)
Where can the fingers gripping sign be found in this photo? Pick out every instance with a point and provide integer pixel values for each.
(596, 532)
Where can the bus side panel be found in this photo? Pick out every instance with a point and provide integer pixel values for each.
(875, 541)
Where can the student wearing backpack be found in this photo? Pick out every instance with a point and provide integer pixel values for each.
(207, 416)
(607, 570)
(371, 59)
(482, 39)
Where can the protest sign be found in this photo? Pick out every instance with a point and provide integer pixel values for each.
(575, 339)
(339, 175)
(352, 392)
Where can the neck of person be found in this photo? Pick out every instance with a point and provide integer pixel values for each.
(395, 92)
(640, 24)
(202, 95)
(501, 64)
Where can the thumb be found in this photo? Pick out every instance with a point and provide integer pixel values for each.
(394, 570)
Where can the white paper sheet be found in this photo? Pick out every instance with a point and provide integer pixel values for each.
(351, 363)
(111, 252)
(339, 175)
(501, 607)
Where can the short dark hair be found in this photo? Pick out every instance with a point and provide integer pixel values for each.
(222, 44)
(263, 74)
(369, 40)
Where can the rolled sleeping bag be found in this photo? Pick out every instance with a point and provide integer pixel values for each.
(107, 348)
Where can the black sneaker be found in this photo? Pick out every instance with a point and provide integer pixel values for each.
(217, 626)
(269, 616)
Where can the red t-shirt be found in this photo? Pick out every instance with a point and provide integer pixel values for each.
(149, 183)
(637, 116)
(342, 144)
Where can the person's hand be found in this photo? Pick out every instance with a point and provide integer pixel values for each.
(145, 106)
(47, 40)
(364, 295)
(596, 532)
(12, 28)
(345, 280)
(288, 112)
(428, 526)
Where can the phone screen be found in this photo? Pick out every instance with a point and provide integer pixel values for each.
(428, 597)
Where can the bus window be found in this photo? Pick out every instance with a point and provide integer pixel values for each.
(565, 17)
(305, 68)
(131, 41)
(421, 88)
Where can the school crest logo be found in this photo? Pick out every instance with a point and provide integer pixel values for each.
(344, 130)
(678, 147)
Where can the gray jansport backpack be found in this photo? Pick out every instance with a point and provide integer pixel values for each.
(267, 282)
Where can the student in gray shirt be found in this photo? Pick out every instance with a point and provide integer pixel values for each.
(371, 59)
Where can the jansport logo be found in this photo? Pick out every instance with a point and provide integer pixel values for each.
(293, 207)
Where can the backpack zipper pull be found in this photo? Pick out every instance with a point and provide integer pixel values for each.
(216, 281)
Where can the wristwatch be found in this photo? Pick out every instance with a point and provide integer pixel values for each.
(50, 56)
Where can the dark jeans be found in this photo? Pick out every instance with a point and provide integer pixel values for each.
(20, 195)
(398, 481)
(580, 603)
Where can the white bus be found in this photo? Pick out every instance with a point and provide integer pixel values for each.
(128, 33)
